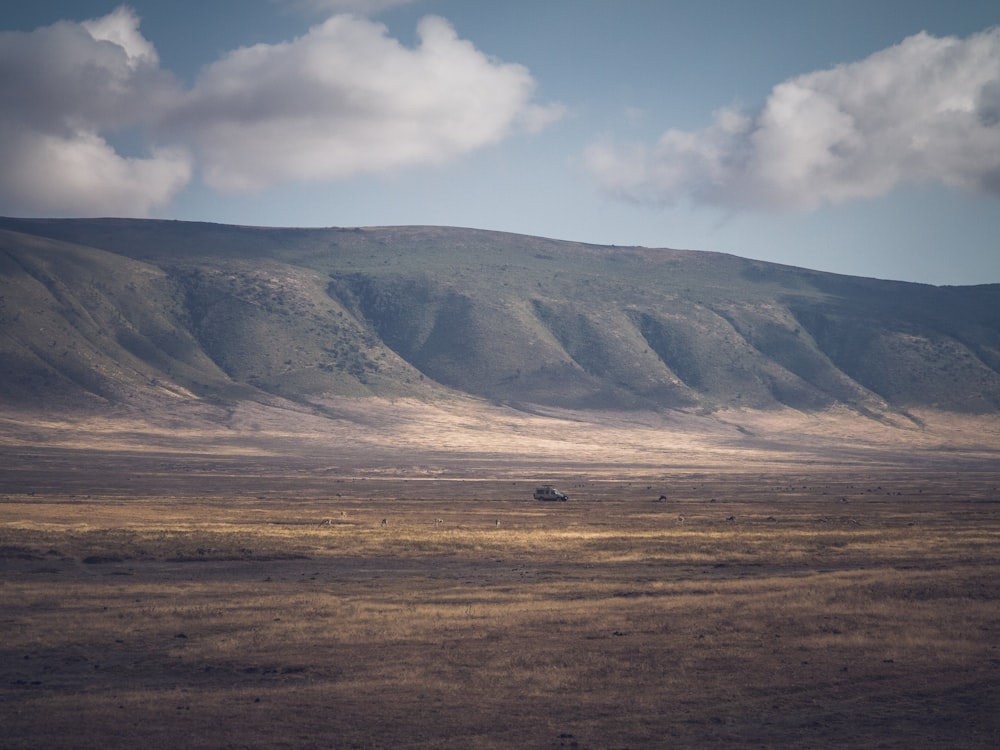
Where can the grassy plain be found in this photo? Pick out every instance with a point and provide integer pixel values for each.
(238, 599)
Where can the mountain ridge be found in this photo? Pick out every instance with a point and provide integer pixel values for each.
(105, 310)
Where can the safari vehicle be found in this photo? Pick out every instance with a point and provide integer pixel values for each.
(548, 492)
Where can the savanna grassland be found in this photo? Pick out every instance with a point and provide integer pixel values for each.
(227, 596)
(272, 488)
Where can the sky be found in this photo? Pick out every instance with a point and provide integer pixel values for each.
(860, 137)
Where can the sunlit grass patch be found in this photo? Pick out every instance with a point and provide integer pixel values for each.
(603, 620)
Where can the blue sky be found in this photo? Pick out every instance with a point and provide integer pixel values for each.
(855, 137)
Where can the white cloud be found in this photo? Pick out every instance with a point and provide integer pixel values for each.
(342, 100)
(64, 87)
(121, 28)
(81, 175)
(346, 99)
(927, 109)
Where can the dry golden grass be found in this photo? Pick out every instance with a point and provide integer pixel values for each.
(831, 611)
(234, 586)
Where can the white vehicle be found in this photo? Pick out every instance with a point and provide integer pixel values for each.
(548, 492)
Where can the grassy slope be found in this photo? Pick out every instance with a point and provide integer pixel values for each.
(233, 311)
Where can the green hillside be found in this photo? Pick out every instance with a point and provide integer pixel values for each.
(98, 311)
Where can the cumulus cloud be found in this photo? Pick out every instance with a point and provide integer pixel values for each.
(346, 99)
(121, 28)
(64, 88)
(341, 100)
(927, 109)
(81, 175)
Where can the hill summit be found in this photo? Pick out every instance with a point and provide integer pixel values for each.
(99, 311)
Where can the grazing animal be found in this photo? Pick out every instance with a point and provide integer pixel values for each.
(663, 499)
(438, 521)
(326, 522)
(680, 519)
(731, 519)
(498, 523)
(385, 522)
